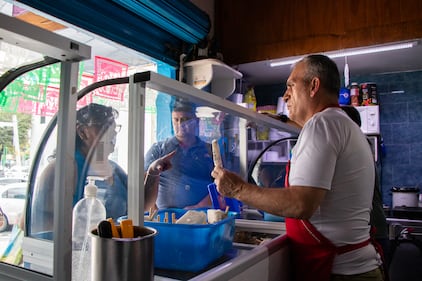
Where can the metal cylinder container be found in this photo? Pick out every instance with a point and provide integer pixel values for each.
(124, 259)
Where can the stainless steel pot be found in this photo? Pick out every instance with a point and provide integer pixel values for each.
(405, 196)
(124, 259)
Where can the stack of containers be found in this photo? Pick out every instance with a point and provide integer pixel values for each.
(364, 94)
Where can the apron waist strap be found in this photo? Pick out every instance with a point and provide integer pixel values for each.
(351, 247)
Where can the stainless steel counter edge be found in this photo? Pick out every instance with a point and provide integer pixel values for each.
(269, 261)
(400, 220)
(270, 227)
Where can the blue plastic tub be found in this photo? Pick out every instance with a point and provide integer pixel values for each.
(190, 247)
(234, 204)
(271, 217)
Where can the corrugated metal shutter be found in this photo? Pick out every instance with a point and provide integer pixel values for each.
(161, 29)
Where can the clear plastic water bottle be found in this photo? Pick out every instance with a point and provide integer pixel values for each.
(87, 213)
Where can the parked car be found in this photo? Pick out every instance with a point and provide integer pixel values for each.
(12, 203)
(17, 172)
(7, 180)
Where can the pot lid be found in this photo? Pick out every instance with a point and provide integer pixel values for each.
(405, 189)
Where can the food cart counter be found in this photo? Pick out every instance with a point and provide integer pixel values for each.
(260, 252)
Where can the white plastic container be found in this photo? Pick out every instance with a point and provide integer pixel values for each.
(213, 76)
(87, 213)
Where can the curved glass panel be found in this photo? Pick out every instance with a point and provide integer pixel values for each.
(268, 166)
(27, 106)
(100, 152)
(21, 125)
(12, 56)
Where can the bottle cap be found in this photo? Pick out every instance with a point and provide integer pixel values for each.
(91, 189)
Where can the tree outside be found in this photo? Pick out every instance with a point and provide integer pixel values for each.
(6, 135)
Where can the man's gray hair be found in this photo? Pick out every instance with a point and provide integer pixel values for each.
(325, 69)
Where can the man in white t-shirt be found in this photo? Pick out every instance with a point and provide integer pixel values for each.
(330, 184)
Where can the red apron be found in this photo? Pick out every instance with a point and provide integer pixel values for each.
(312, 254)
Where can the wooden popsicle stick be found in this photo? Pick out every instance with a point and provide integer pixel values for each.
(152, 214)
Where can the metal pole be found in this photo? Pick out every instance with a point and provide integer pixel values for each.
(16, 140)
(64, 179)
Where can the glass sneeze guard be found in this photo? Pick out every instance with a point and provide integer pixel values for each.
(218, 119)
(45, 43)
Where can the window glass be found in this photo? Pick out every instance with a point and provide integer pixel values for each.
(28, 139)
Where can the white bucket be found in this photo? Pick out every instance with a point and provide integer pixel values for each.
(405, 196)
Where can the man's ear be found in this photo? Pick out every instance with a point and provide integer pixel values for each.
(81, 132)
(315, 84)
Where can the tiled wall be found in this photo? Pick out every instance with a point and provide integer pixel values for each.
(400, 99)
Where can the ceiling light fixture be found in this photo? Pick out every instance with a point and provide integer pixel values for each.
(284, 62)
(352, 52)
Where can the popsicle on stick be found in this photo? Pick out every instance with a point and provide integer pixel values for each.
(126, 227)
(216, 154)
(114, 230)
(104, 229)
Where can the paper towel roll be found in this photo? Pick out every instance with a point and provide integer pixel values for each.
(280, 105)
(286, 110)
(236, 98)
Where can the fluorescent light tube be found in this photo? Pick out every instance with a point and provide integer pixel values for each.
(353, 52)
(371, 50)
(284, 62)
